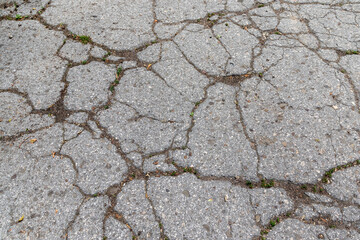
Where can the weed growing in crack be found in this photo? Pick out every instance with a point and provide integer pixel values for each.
(116, 81)
(191, 114)
(352, 52)
(173, 173)
(260, 75)
(272, 223)
(303, 187)
(261, 5)
(189, 170)
(277, 33)
(266, 184)
(106, 107)
(249, 184)
(18, 17)
(327, 176)
(118, 71)
(84, 62)
(84, 39)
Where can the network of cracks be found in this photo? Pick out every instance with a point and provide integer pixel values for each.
(204, 119)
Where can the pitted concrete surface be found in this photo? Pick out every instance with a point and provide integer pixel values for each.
(182, 119)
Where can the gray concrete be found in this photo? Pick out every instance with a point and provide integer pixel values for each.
(191, 119)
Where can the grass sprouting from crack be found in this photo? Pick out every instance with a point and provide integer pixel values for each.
(82, 38)
(117, 79)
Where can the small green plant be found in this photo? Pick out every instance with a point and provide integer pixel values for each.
(266, 184)
(189, 170)
(173, 173)
(278, 33)
(249, 184)
(288, 214)
(261, 5)
(197, 104)
(119, 70)
(343, 70)
(303, 187)
(261, 75)
(112, 88)
(272, 223)
(191, 114)
(83, 62)
(352, 52)
(84, 39)
(95, 195)
(160, 225)
(329, 173)
(18, 17)
(226, 24)
(314, 189)
(106, 107)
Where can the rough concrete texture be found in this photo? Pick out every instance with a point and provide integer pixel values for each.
(182, 119)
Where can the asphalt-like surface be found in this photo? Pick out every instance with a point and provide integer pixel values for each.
(181, 119)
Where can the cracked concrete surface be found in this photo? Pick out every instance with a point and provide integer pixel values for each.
(203, 119)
